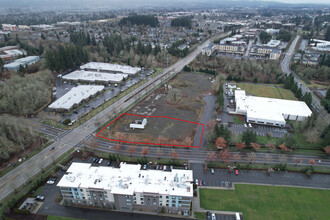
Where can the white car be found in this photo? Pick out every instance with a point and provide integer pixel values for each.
(250, 126)
(213, 216)
(245, 126)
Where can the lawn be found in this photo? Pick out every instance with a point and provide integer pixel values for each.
(237, 120)
(269, 202)
(200, 215)
(267, 91)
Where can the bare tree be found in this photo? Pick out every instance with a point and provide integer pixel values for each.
(252, 157)
(311, 161)
(174, 154)
(117, 147)
(267, 158)
(131, 150)
(210, 125)
(224, 155)
(159, 153)
(221, 143)
(145, 151)
(240, 146)
(237, 157)
(255, 146)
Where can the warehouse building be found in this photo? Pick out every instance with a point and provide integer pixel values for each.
(269, 111)
(75, 96)
(26, 61)
(94, 77)
(127, 188)
(110, 68)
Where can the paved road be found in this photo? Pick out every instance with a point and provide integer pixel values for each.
(220, 177)
(73, 139)
(285, 65)
(206, 117)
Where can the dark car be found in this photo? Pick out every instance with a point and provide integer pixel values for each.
(52, 148)
(108, 164)
(204, 183)
(208, 215)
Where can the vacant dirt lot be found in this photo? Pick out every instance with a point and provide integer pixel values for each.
(181, 98)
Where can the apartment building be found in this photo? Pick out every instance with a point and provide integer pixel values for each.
(271, 53)
(225, 48)
(127, 188)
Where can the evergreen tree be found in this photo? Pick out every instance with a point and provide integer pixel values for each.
(249, 137)
(298, 93)
(307, 98)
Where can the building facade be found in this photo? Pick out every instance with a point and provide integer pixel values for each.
(127, 188)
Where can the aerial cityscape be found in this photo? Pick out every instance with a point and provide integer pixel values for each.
(141, 109)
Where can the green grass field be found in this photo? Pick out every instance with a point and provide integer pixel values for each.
(269, 202)
(267, 91)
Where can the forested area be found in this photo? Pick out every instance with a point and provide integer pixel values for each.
(175, 51)
(265, 37)
(15, 138)
(140, 20)
(258, 71)
(182, 22)
(321, 73)
(284, 35)
(25, 95)
(65, 57)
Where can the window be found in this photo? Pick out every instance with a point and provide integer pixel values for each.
(73, 201)
(81, 190)
(94, 198)
(79, 202)
(160, 204)
(83, 197)
(101, 199)
(94, 194)
(129, 203)
(91, 203)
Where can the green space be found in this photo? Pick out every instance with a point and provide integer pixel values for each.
(200, 215)
(267, 91)
(269, 202)
(267, 140)
(51, 217)
(237, 120)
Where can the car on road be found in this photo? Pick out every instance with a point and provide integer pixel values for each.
(52, 148)
(213, 217)
(236, 172)
(196, 182)
(212, 170)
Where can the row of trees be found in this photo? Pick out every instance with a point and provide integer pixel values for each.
(182, 22)
(326, 101)
(140, 20)
(81, 38)
(25, 95)
(175, 51)
(321, 73)
(66, 57)
(293, 86)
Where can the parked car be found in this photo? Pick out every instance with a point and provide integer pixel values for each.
(212, 170)
(157, 167)
(100, 161)
(165, 167)
(208, 215)
(245, 126)
(213, 217)
(200, 182)
(236, 172)
(51, 181)
(196, 182)
(237, 216)
(94, 159)
(40, 198)
(108, 164)
(145, 166)
(250, 126)
(204, 183)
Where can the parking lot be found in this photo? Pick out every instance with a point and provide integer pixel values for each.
(259, 130)
(62, 87)
(221, 176)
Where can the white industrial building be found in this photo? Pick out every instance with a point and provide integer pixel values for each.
(75, 96)
(127, 188)
(139, 124)
(270, 111)
(94, 77)
(26, 61)
(110, 68)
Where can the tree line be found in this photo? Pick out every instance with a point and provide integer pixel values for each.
(293, 86)
(326, 101)
(184, 21)
(175, 51)
(66, 57)
(140, 20)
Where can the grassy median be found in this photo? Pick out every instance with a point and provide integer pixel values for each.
(269, 202)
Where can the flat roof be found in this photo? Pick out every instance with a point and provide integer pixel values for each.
(95, 76)
(75, 96)
(269, 108)
(111, 68)
(129, 179)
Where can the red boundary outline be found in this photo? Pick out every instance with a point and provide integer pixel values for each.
(131, 142)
